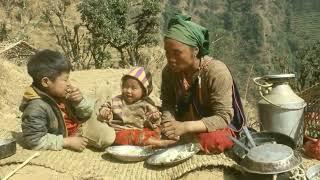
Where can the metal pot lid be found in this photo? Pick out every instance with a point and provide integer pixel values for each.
(269, 153)
(270, 159)
(279, 76)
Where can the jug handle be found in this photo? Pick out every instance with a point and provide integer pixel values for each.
(265, 85)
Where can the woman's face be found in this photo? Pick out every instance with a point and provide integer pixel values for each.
(180, 57)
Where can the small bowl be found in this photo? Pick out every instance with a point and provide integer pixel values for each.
(174, 155)
(7, 147)
(129, 153)
(313, 172)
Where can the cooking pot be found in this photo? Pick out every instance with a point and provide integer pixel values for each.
(262, 138)
(270, 153)
(7, 147)
(271, 159)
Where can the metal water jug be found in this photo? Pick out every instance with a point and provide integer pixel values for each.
(280, 109)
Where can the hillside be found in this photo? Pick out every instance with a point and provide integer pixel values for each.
(305, 19)
(254, 37)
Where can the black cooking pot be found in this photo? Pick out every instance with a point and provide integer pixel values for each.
(261, 138)
(7, 147)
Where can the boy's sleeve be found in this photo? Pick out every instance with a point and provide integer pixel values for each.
(83, 110)
(50, 141)
(35, 132)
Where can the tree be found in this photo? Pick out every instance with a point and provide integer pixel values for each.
(125, 25)
(76, 43)
(308, 65)
(3, 32)
(16, 19)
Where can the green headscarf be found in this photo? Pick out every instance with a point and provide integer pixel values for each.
(182, 29)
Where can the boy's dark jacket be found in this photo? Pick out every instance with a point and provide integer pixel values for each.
(43, 125)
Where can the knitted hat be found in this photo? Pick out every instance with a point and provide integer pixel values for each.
(143, 76)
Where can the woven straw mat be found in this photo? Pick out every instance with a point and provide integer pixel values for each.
(98, 165)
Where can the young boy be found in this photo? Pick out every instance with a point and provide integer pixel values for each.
(133, 114)
(52, 109)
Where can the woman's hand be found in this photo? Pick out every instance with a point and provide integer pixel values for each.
(174, 129)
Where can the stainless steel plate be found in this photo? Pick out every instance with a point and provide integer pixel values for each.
(313, 173)
(129, 153)
(270, 159)
(174, 155)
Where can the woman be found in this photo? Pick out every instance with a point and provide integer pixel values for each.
(196, 91)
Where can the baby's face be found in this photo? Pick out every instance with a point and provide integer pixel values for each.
(131, 90)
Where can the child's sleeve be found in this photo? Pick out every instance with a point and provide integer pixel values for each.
(35, 132)
(83, 110)
(153, 118)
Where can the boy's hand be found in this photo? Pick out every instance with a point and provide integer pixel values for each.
(75, 143)
(74, 95)
(105, 113)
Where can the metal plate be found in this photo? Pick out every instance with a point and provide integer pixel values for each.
(129, 153)
(270, 159)
(7, 147)
(313, 173)
(174, 155)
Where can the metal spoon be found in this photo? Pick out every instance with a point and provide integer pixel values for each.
(246, 131)
(238, 143)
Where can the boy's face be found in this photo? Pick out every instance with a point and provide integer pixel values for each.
(131, 90)
(57, 88)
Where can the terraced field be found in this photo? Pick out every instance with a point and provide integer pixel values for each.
(306, 21)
